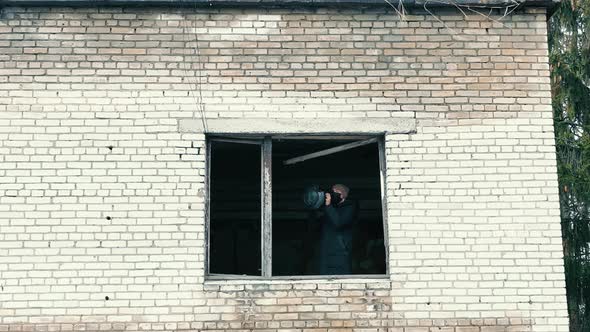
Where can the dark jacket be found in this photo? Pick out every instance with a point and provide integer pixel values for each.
(336, 238)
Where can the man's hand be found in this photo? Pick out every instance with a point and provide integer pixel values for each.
(328, 199)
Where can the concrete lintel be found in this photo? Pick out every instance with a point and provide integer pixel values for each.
(324, 126)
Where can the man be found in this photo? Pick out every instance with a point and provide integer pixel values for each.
(336, 232)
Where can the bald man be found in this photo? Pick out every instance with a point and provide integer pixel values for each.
(340, 214)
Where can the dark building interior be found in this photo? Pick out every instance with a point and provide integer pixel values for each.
(235, 206)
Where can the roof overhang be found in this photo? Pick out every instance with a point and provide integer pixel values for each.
(283, 3)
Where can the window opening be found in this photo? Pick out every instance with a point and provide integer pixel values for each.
(259, 225)
(235, 208)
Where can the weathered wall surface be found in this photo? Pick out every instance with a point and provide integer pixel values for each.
(101, 193)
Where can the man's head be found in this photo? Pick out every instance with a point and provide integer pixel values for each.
(342, 190)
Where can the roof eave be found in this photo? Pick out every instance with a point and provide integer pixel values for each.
(280, 3)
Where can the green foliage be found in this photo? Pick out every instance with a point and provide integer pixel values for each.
(569, 44)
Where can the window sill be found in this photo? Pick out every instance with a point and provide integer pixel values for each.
(221, 279)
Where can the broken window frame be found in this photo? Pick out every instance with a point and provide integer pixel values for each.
(266, 199)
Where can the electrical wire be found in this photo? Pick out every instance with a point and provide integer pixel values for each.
(196, 77)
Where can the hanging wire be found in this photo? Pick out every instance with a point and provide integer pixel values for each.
(194, 79)
(199, 72)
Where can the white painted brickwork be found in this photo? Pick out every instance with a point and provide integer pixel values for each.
(102, 195)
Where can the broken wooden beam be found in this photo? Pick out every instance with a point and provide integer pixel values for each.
(330, 151)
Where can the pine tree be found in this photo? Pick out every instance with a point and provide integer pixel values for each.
(569, 44)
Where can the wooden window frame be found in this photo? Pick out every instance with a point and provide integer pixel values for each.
(266, 201)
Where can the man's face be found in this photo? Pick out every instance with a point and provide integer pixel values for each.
(342, 194)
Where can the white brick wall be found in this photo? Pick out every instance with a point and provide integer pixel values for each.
(101, 192)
